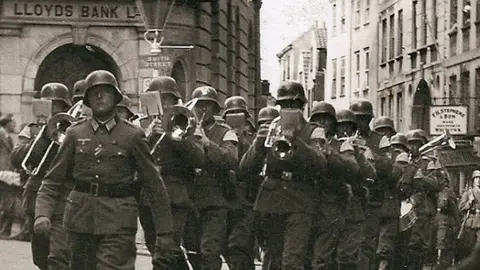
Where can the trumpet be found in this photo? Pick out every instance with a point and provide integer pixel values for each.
(54, 130)
(438, 142)
(179, 121)
(280, 134)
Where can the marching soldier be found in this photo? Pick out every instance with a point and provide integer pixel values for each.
(213, 193)
(414, 186)
(177, 160)
(384, 126)
(336, 197)
(101, 155)
(44, 252)
(241, 241)
(363, 111)
(124, 108)
(286, 196)
(78, 91)
(470, 206)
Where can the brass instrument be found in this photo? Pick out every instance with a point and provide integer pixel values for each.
(281, 132)
(54, 130)
(179, 121)
(439, 141)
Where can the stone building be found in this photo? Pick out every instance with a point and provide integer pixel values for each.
(304, 61)
(47, 41)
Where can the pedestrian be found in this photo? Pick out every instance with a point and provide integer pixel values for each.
(7, 193)
(97, 161)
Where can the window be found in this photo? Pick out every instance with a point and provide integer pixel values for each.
(467, 8)
(238, 58)
(367, 11)
(391, 69)
(366, 80)
(342, 74)
(334, 17)
(466, 39)
(399, 115)
(453, 89)
(230, 52)
(215, 39)
(390, 106)
(435, 19)
(414, 25)
(392, 36)
(288, 67)
(384, 40)
(357, 71)
(477, 30)
(453, 12)
(334, 78)
(400, 32)
(383, 106)
(357, 13)
(464, 90)
(434, 54)
(413, 59)
(424, 19)
(284, 68)
(400, 66)
(453, 44)
(342, 18)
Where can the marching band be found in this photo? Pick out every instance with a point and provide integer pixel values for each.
(325, 192)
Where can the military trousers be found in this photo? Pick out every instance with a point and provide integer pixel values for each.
(148, 226)
(370, 235)
(287, 239)
(240, 253)
(387, 236)
(445, 239)
(40, 244)
(59, 256)
(102, 252)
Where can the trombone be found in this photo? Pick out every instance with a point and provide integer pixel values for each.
(54, 130)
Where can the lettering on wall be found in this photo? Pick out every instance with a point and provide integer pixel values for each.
(70, 11)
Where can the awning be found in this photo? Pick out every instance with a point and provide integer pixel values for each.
(458, 158)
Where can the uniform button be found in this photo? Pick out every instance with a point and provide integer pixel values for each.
(119, 153)
(98, 160)
(96, 176)
(114, 142)
(100, 145)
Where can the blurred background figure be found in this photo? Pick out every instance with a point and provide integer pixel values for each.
(7, 194)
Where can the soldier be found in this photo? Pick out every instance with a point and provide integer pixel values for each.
(44, 252)
(414, 186)
(241, 241)
(213, 192)
(363, 111)
(78, 91)
(177, 160)
(332, 232)
(286, 197)
(101, 155)
(384, 126)
(470, 206)
(124, 108)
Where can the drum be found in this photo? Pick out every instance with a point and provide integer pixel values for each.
(408, 216)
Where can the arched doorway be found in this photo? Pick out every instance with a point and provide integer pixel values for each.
(70, 63)
(421, 106)
(178, 73)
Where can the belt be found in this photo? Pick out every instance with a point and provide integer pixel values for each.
(288, 176)
(105, 190)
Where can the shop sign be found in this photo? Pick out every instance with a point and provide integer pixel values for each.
(66, 11)
(154, 61)
(453, 118)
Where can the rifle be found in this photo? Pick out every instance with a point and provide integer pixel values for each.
(463, 224)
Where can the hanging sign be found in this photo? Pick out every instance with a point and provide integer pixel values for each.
(453, 118)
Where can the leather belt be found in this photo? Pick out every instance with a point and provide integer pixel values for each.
(288, 176)
(105, 190)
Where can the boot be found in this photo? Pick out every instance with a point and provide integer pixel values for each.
(383, 265)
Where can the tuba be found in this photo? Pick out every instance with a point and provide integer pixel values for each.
(281, 133)
(54, 130)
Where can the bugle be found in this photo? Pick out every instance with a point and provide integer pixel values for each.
(436, 143)
(281, 133)
(54, 130)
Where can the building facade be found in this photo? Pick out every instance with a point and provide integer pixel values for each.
(304, 61)
(51, 41)
(351, 69)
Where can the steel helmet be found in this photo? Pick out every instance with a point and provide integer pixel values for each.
(267, 114)
(362, 107)
(346, 116)
(56, 91)
(101, 77)
(79, 89)
(402, 158)
(323, 108)
(291, 91)
(384, 143)
(475, 173)
(126, 103)
(383, 122)
(417, 135)
(206, 93)
(399, 139)
(164, 85)
(236, 103)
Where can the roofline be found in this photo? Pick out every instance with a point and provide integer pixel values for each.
(284, 51)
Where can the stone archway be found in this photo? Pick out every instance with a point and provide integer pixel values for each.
(179, 74)
(422, 101)
(70, 63)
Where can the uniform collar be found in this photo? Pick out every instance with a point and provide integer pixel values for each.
(109, 124)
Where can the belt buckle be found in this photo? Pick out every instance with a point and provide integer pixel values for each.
(198, 172)
(287, 176)
(94, 189)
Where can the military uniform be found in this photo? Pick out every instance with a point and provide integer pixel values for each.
(101, 211)
(286, 199)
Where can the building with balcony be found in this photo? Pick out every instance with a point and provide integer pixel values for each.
(303, 61)
(45, 41)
